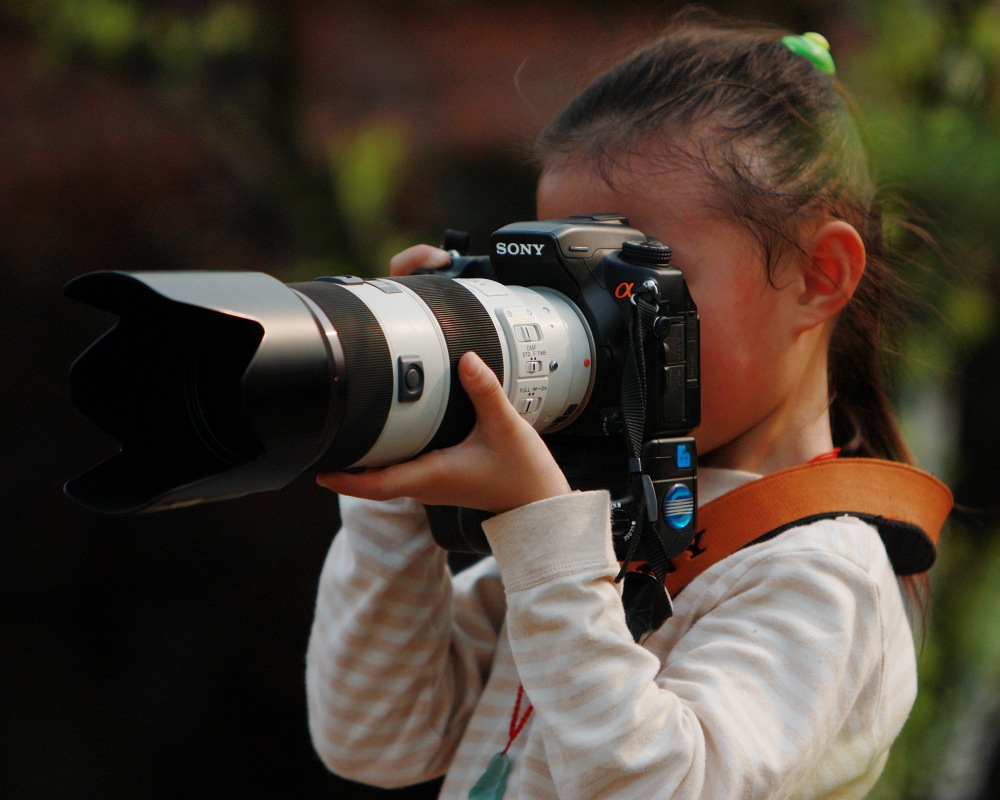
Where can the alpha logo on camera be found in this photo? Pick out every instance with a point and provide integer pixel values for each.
(519, 249)
(624, 289)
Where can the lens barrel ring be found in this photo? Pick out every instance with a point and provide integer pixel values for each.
(368, 374)
(466, 325)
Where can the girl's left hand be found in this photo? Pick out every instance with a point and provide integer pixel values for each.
(502, 464)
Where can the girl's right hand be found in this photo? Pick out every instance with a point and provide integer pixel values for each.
(466, 474)
(502, 464)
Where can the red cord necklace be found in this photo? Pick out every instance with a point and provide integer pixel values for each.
(493, 781)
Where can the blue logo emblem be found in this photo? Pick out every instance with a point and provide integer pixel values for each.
(678, 507)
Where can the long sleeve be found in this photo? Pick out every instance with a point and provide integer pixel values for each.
(772, 680)
(397, 656)
(787, 670)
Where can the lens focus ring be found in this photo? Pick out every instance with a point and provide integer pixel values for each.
(466, 325)
(368, 378)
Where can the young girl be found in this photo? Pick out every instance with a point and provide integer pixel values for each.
(788, 668)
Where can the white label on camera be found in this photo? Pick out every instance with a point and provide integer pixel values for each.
(486, 287)
(532, 387)
(519, 249)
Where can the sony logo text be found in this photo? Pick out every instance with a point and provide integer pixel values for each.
(519, 249)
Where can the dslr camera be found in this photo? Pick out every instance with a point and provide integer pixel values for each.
(221, 384)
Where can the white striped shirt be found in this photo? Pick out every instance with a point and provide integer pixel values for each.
(787, 669)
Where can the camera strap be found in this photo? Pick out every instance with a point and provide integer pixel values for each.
(906, 505)
(644, 593)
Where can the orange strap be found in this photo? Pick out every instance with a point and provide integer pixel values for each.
(907, 505)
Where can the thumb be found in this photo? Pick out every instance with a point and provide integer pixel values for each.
(482, 386)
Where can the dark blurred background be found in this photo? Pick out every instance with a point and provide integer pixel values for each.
(163, 656)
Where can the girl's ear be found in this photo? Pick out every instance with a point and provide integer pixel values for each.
(834, 265)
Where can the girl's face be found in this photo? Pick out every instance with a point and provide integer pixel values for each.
(746, 325)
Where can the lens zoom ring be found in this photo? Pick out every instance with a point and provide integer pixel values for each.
(368, 379)
(466, 325)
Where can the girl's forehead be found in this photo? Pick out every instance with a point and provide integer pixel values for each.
(661, 199)
(676, 205)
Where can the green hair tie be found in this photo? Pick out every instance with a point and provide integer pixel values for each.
(813, 46)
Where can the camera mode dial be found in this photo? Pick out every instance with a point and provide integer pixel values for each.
(654, 254)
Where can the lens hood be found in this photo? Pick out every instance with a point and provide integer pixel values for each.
(215, 384)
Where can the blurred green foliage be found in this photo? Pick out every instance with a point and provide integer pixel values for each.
(365, 166)
(927, 81)
(928, 85)
(172, 37)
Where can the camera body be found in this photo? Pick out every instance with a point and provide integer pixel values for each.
(599, 263)
(582, 258)
(220, 384)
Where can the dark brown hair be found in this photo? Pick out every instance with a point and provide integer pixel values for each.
(781, 145)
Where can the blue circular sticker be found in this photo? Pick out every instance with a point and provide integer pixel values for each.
(678, 507)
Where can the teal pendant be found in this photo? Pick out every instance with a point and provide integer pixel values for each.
(493, 782)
